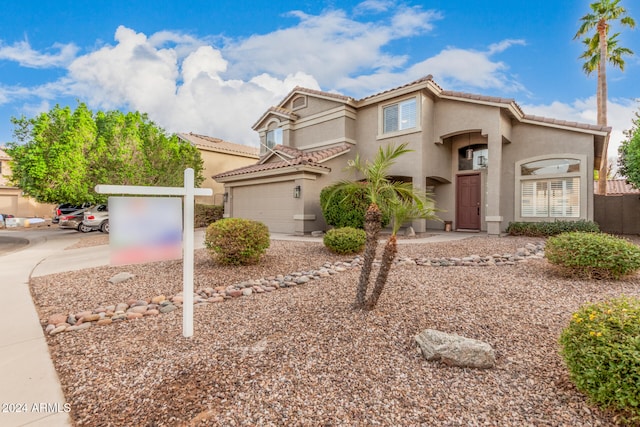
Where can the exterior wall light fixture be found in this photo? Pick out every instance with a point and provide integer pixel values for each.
(225, 197)
(296, 192)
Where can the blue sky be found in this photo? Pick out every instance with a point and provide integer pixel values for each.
(214, 67)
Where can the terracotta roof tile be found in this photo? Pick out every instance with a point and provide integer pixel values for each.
(297, 157)
(217, 144)
(618, 186)
(421, 80)
(567, 123)
(321, 93)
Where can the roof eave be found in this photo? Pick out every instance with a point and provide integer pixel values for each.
(285, 170)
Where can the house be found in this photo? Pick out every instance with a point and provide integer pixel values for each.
(12, 201)
(218, 156)
(485, 161)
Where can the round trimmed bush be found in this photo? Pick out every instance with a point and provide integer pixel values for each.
(345, 240)
(237, 241)
(593, 255)
(601, 347)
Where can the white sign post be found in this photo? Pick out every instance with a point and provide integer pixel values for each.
(188, 192)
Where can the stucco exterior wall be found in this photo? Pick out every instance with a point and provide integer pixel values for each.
(215, 162)
(530, 141)
(314, 187)
(321, 133)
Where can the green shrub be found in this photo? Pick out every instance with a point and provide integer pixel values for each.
(237, 241)
(342, 209)
(345, 240)
(601, 347)
(593, 255)
(546, 228)
(206, 214)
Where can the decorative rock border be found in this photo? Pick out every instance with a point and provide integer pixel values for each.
(160, 304)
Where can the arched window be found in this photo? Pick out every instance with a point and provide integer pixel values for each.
(552, 187)
(299, 102)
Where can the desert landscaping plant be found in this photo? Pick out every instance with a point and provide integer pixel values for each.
(593, 255)
(237, 241)
(601, 347)
(345, 240)
(550, 228)
(385, 196)
(346, 207)
(204, 215)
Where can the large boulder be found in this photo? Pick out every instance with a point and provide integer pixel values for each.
(455, 350)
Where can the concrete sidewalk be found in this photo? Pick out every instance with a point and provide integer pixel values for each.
(31, 391)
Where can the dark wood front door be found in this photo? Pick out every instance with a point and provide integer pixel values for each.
(468, 202)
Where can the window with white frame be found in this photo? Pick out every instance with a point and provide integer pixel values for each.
(400, 116)
(273, 137)
(550, 188)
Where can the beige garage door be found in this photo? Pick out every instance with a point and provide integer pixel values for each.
(272, 204)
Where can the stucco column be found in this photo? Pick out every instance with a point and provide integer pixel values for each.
(493, 217)
(419, 225)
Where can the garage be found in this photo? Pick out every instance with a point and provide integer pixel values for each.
(272, 204)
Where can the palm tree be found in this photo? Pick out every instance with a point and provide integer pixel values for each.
(600, 49)
(399, 199)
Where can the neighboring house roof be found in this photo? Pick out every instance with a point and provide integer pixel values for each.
(209, 143)
(618, 186)
(3, 154)
(288, 157)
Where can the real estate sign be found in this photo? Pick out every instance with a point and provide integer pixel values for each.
(145, 229)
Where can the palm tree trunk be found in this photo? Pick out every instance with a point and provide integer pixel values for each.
(389, 254)
(372, 225)
(602, 104)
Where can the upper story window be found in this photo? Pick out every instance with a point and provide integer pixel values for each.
(274, 137)
(299, 102)
(400, 116)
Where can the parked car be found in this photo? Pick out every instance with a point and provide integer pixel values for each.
(66, 208)
(74, 221)
(4, 216)
(96, 218)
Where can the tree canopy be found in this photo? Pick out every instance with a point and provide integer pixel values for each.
(629, 160)
(61, 155)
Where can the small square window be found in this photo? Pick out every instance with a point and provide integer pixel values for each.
(400, 116)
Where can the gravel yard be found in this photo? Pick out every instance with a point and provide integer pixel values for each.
(302, 356)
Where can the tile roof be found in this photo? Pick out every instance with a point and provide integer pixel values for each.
(295, 157)
(618, 186)
(216, 144)
(567, 123)
(427, 78)
(320, 93)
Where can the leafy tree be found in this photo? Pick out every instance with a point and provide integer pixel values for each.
(600, 49)
(629, 160)
(61, 155)
(398, 199)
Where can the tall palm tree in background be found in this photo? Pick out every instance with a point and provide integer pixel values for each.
(399, 199)
(600, 48)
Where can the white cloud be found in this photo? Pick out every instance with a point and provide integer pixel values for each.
(23, 54)
(453, 68)
(328, 46)
(185, 84)
(181, 95)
